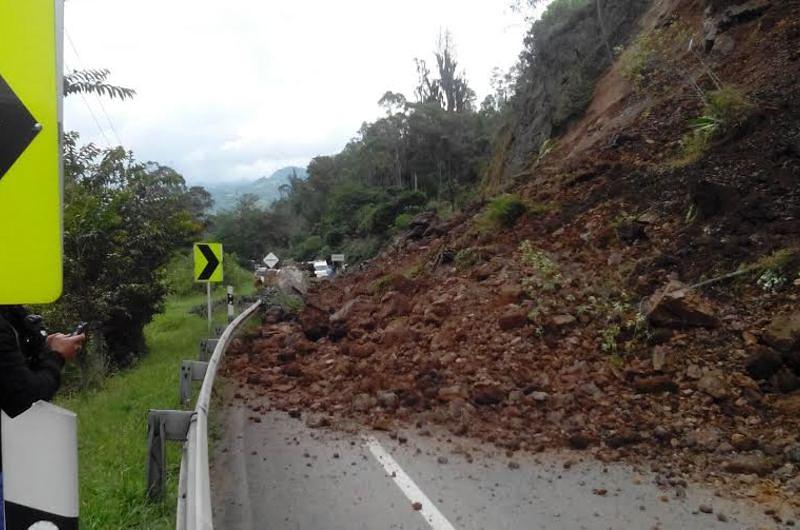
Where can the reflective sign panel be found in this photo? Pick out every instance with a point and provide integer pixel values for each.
(30, 152)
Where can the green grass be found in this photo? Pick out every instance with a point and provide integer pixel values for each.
(112, 423)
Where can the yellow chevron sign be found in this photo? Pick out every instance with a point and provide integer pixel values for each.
(30, 151)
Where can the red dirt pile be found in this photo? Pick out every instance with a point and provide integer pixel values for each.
(583, 325)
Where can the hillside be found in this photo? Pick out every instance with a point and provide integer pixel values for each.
(267, 189)
(635, 294)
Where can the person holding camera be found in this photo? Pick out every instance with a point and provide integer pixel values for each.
(31, 361)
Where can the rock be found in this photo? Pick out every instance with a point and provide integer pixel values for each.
(660, 433)
(292, 281)
(624, 438)
(510, 294)
(722, 518)
(315, 421)
(705, 508)
(487, 395)
(399, 331)
(740, 442)
(513, 465)
(442, 460)
(362, 350)
(785, 381)
(655, 384)
(694, 372)
(514, 317)
(292, 370)
(763, 362)
(539, 396)
(364, 402)
(783, 332)
(449, 393)
(359, 305)
(659, 358)
(749, 465)
(388, 400)
(676, 306)
(707, 438)
(630, 232)
(314, 322)
(789, 405)
(394, 304)
(714, 385)
(417, 506)
(559, 321)
(579, 441)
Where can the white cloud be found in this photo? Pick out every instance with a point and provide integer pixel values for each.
(236, 89)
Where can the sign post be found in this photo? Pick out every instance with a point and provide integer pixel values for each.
(208, 269)
(30, 151)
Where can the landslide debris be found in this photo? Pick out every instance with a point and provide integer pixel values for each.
(617, 320)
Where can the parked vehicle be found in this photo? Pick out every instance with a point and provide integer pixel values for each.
(322, 269)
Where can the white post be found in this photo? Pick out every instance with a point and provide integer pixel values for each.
(40, 468)
(208, 294)
(230, 303)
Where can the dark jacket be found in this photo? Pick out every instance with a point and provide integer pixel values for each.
(24, 379)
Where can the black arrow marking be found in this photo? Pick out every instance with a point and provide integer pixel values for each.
(18, 127)
(212, 264)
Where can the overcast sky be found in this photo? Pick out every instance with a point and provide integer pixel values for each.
(235, 89)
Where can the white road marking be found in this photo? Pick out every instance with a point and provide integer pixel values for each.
(429, 511)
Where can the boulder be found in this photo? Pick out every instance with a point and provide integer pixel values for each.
(714, 385)
(358, 306)
(487, 394)
(789, 405)
(559, 321)
(762, 362)
(394, 304)
(749, 465)
(783, 332)
(510, 294)
(514, 317)
(364, 402)
(655, 384)
(677, 306)
(314, 322)
(291, 280)
(399, 331)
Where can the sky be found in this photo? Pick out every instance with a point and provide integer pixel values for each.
(234, 90)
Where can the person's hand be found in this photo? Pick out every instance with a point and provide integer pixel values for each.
(67, 346)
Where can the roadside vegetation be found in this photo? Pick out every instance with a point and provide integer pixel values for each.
(112, 417)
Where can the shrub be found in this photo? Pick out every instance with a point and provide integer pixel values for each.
(726, 110)
(310, 248)
(503, 211)
(402, 221)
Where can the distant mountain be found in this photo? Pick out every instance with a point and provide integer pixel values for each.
(266, 189)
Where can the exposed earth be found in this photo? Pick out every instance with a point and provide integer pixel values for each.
(643, 309)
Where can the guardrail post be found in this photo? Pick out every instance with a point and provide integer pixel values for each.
(163, 425)
(207, 348)
(190, 371)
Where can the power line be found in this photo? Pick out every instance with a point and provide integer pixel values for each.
(99, 100)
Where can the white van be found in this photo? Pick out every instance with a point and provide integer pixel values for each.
(322, 269)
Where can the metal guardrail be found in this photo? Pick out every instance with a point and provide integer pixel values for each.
(191, 427)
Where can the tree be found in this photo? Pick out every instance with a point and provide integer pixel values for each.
(458, 96)
(123, 219)
(94, 82)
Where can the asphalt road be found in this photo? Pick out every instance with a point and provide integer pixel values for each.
(279, 474)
